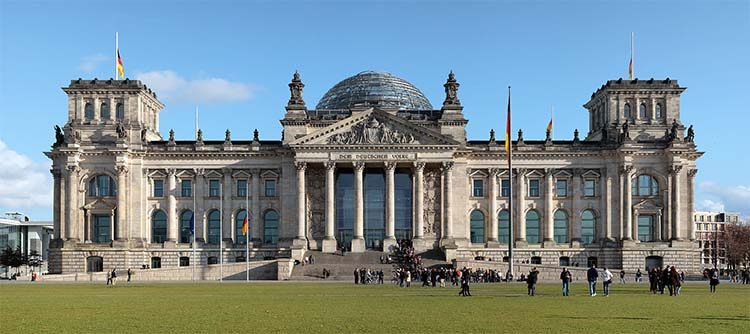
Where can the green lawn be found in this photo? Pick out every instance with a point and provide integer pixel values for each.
(342, 307)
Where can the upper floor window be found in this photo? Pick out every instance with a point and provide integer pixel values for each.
(158, 188)
(102, 186)
(505, 188)
(104, 111)
(642, 111)
(477, 188)
(120, 111)
(627, 110)
(589, 188)
(186, 188)
(242, 188)
(270, 187)
(214, 189)
(533, 188)
(88, 111)
(645, 185)
(658, 110)
(561, 188)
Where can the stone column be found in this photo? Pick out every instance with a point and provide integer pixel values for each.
(57, 204)
(657, 231)
(635, 226)
(390, 205)
(549, 222)
(255, 207)
(71, 180)
(447, 171)
(492, 236)
(301, 196)
(575, 216)
(520, 208)
(626, 203)
(97, 110)
(329, 242)
(199, 193)
(607, 206)
(419, 200)
(676, 206)
(112, 109)
(358, 242)
(122, 206)
(691, 185)
(226, 208)
(172, 227)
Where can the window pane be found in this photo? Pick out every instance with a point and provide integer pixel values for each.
(562, 188)
(588, 227)
(503, 226)
(561, 227)
(532, 227)
(158, 188)
(241, 188)
(270, 227)
(214, 219)
(533, 188)
(645, 230)
(478, 188)
(477, 227)
(186, 235)
(187, 188)
(213, 188)
(104, 111)
(589, 188)
(505, 187)
(270, 188)
(159, 227)
(101, 229)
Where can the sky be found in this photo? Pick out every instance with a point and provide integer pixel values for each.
(233, 60)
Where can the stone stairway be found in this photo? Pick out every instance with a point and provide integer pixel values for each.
(342, 267)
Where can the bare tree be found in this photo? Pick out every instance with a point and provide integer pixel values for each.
(737, 238)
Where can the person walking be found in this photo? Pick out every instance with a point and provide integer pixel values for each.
(676, 281)
(652, 280)
(114, 276)
(606, 280)
(109, 278)
(638, 276)
(565, 277)
(130, 273)
(531, 281)
(713, 279)
(591, 276)
(356, 275)
(622, 276)
(408, 278)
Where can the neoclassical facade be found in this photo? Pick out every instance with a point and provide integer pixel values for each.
(373, 162)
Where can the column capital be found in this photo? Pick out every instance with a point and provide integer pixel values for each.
(73, 169)
(419, 165)
(390, 165)
(122, 170)
(627, 170)
(447, 166)
(494, 172)
(56, 173)
(330, 165)
(171, 171)
(674, 170)
(692, 172)
(359, 165)
(199, 171)
(300, 165)
(226, 171)
(549, 172)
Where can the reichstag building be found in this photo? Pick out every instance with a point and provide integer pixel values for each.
(373, 162)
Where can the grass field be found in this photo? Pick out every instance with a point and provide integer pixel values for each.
(340, 307)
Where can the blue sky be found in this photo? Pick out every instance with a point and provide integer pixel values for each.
(233, 60)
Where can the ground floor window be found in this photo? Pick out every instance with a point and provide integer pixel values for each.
(184, 261)
(213, 260)
(503, 227)
(592, 261)
(564, 261)
(536, 260)
(94, 264)
(155, 262)
(477, 227)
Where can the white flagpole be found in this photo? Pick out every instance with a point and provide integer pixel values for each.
(247, 231)
(221, 232)
(194, 232)
(117, 47)
(196, 121)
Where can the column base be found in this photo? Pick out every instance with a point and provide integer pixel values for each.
(298, 252)
(627, 243)
(120, 243)
(358, 245)
(521, 243)
(299, 242)
(448, 242)
(575, 243)
(450, 249)
(681, 243)
(330, 245)
(548, 243)
(170, 244)
(388, 242)
(492, 244)
(70, 243)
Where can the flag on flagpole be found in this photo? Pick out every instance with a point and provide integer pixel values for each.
(630, 65)
(549, 126)
(120, 69)
(244, 224)
(192, 224)
(507, 127)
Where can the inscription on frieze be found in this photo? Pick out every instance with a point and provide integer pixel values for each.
(374, 156)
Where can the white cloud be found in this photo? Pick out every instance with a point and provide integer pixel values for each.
(172, 87)
(710, 206)
(24, 184)
(734, 198)
(91, 62)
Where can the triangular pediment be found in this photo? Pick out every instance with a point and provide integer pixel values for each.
(100, 204)
(374, 127)
(647, 205)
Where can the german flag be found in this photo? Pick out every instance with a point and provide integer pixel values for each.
(120, 69)
(244, 226)
(549, 126)
(507, 127)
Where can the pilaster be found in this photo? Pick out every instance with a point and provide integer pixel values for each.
(329, 242)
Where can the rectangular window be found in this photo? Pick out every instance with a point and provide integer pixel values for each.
(505, 188)
(533, 188)
(241, 188)
(478, 188)
(184, 261)
(158, 188)
(562, 188)
(645, 229)
(270, 188)
(187, 188)
(213, 188)
(701, 218)
(589, 188)
(101, 229)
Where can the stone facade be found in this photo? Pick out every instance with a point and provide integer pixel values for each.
(622, 194)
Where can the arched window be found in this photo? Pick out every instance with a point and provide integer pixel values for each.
(158, 227)
(588, 227)
(642, 111)
(187, 226)
(214, 227)
(561, 227)
(477, 227)
(532, 227)
(94, 264)
(102, 186)
(104, 111)
(120, 111)
(271, 227)
(503, 227)
(645, 185)
(658, 110)
(239, 237)
(88, 111)
(627, 110)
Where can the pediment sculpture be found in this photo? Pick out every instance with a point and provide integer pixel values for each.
(372, 131)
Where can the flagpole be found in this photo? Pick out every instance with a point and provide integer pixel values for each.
(247, 230)
(193, 231)
(117, 47)
(632, 54)
(511, 237)
(221, 232)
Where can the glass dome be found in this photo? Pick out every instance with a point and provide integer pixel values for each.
(374, 88)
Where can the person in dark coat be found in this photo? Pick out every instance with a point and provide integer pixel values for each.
(356, 275)
(565, 277)
(531, 281)
(591, 276)
(676, 281)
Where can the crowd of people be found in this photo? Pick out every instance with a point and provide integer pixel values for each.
(741, 276)
(367, 276)
(660, 278)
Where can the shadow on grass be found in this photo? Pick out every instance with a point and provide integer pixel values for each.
(600, 318)
(724, 318)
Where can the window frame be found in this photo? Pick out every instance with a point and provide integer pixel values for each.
(593, 193)
(557, 188)
(154, 188)
(214, 192)
(504, 188)
(477, 188)
(189, 189)
(273, 190)
(239, 190)
(530, 188)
